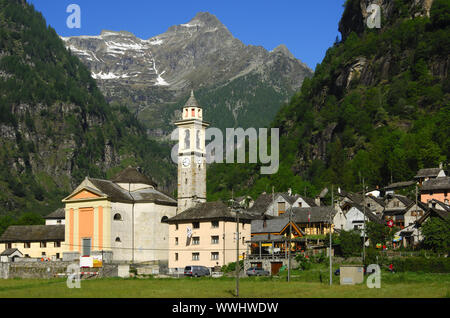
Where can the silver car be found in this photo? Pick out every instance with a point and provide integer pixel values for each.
(257, 271)
(196, 271)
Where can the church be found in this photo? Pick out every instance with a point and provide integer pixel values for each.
(126, 217)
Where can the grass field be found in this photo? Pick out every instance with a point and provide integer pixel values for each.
(399, 285)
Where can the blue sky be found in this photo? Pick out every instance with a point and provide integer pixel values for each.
(306, 27)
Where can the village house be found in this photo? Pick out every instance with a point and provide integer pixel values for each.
(35, 241)
(206, 235)
(429, 173)
(122, 216)
(396, 207)
(10, 255)
(278, 203)
(56, 218)
(437, 188)
(269, 243)
(355, 216)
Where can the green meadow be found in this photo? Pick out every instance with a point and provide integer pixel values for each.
(302, 285)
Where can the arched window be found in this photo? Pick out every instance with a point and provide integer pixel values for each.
(117, 217)
(187, 137)
(118, 240)
(164, 219)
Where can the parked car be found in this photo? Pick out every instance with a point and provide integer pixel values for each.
(196, 271)
(257, 271)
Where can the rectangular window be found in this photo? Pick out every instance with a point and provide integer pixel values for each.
(214, 256)
(176, 256)
(215, 239)
(57, 244)
(281, 208)
(196, 225)
(176, 227)
(58, 221)
(195, 256)
(43, 244)
(215, 224)
(176, 241)
(57, 255)
(195, 240)
(27, 245)
(86, 247)
(43, 253)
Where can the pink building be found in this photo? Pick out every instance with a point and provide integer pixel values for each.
(437, 189)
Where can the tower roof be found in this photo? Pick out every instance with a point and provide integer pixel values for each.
(192, 102)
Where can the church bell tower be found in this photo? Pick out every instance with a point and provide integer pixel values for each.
(191, 156)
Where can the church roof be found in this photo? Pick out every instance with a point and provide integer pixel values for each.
(118, 194)
(191, 102)
(132, 175)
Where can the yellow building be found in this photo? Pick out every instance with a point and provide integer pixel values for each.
(36, 241)
(205, 235)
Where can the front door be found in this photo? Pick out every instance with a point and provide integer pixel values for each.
(87, 246)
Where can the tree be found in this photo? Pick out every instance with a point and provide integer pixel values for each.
(378, 233)
(351, 244)
(436, 234)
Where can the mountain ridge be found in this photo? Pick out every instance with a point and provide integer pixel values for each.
(154, 76)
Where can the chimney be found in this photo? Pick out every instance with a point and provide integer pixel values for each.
(317, 201)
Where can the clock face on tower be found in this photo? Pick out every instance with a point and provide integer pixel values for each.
(186, 162)
(199, 161)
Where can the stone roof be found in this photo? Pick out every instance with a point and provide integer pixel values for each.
(118, 194)
(132, 175)
(205, 211)
(428, 172)
(355, 197)
(261, 203)
(317, 213)
(377, 200)
(9, 251)
(405, 200)
(33, 233)
(441, 183)
(398, 185)
(57, 214)
(192, 101)
(274, 225)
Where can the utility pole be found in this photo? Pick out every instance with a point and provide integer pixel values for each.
(331, 244)
(364, 224)
(237, 254)
(289, 247)
(417, 212)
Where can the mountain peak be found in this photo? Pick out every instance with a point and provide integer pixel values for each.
(284, 50)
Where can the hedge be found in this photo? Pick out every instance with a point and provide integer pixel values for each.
(422, 264)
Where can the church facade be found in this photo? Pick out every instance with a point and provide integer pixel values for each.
(123, 216)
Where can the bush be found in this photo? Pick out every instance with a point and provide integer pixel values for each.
(304, 262)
